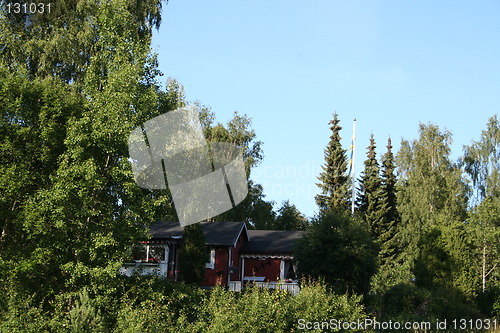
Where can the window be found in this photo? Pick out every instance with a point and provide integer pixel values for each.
(150, 253)
(139, 252)
(156, 252)
(211, 259)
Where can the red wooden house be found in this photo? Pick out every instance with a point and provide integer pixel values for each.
(237, 255)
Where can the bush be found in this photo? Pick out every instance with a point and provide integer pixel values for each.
(267, 310)
(254, 310)
(155, 305)
(167, 307)
(316, 303)
(23, 315)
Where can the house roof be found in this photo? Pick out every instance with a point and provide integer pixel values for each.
(216, 233)
(271, 241)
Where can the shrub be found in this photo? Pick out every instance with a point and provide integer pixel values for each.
(84, 317)
(268, 310)
(316, 303)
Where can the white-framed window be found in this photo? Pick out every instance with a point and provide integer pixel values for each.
(150, 253)
(211, 259)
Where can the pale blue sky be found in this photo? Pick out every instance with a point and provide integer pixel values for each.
(290, 64)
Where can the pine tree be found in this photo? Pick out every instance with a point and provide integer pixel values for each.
(372, 201)
(334, 180)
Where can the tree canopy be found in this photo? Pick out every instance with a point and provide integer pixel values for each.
(339, 249)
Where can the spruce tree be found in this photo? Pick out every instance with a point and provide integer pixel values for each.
(387, 239)
(334, 180)
(391, 218)
(372, 201)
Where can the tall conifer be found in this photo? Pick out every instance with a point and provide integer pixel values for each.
(388, 260)
(334, 180)
(391, 219)
(372, 201)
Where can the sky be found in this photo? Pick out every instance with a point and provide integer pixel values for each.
(289, 65)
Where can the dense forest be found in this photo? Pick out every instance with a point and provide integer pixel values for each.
(423, 243)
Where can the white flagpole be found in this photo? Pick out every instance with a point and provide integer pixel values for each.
(353, 194)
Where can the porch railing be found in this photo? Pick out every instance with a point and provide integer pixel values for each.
(292, 287)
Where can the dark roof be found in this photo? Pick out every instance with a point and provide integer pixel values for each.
(216, 233)
(271, 241)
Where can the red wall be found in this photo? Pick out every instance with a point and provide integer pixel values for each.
(218, 275)
(270, 268)
(235, 257)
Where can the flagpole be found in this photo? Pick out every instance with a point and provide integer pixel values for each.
(353, 157)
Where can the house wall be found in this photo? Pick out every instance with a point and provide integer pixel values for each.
(268, 267)
(235, 257)
(217, 275)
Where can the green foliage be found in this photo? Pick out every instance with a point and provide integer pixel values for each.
(389, 266)
(71, 89)
(481, 164)
(289, 218)
(84, 317)
(430, 193)
(69, 41)
(334, 181)
(339, 249)
(22, 315)
(407, 302)
(433, 267)
(389, 247)
(266, 310)
(72, 86)
(256, 310)
(254, 209)
(165, 308)
(316, 302)
(257, 212)
(193, 254)
(237, 131)
(481, 161)
(441, 251)
(372, 199)
(489, 302)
